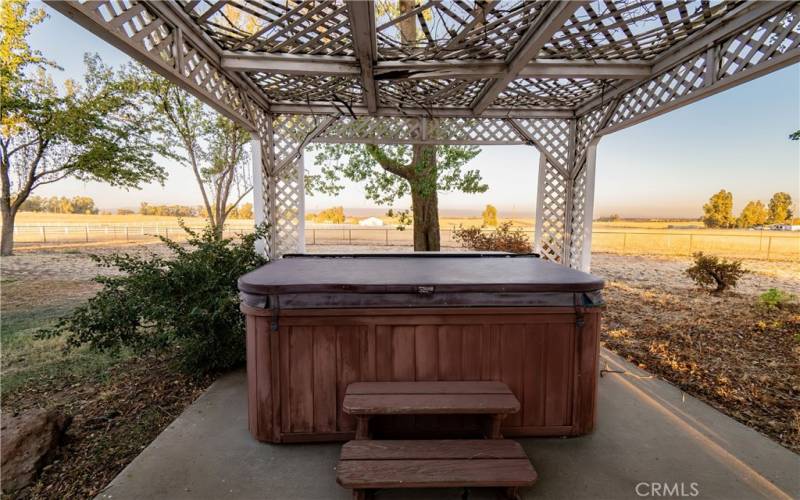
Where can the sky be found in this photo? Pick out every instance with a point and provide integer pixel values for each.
(665, 167)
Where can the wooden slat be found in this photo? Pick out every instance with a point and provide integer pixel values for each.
(430, 404)
(450, 347)
(427, 352)
(441, 449)
(349, 368)
(324, 379)
(301, 384)
(454, 387)
(533, 397)
(512, 349)
(435, 473)
(559, 369)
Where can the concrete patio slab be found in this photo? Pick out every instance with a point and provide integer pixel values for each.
(652, 441)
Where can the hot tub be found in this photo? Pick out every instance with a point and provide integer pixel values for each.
(318, 323)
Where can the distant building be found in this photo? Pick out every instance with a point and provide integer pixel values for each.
(370, 221)
(787, 227)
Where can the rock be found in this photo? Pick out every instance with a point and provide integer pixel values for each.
(29, 442)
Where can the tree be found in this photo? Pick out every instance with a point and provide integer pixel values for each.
(489, 216)
(391, 172)
(719, 210)
(753, 214)
(92, 132)
(780, 208)
(212, 146)
(246, 211)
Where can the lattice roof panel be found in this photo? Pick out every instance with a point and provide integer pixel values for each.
(449, 58)
(426, 93)
(303, 88)
(552, 92)
(639, 30)
(454, 29)
(291, 27)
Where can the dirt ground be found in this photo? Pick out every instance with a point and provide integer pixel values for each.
(725, 349)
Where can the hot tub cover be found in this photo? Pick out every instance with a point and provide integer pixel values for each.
(417, 280)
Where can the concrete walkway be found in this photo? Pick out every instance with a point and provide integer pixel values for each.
(650, 436)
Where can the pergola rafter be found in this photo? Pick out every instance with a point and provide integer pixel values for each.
(554, 75)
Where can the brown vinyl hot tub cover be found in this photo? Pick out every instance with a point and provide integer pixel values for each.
(418, 280)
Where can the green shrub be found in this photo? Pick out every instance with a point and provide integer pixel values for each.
(502, 239)
(710, 270)
(188, 301)
(776, 299)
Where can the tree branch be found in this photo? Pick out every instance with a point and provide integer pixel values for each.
(389, 164)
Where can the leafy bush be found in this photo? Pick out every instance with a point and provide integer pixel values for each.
(188, 301)
(502, 239)
(711, 270)
(776, 299)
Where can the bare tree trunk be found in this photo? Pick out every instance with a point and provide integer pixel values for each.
(426, 221)
(7, 238)
(425, 198)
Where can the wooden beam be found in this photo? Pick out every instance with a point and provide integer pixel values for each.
(553, 19)
(290, 64)
(301, 64)
(316, 108)
(599, 70)
(362, 29)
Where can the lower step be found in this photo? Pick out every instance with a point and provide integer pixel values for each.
(368, 464)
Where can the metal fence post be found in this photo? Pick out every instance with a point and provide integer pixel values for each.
(387, 237)
(624, 241)
(769, 246)
(349, 236)
(44, 237)
(313, 236)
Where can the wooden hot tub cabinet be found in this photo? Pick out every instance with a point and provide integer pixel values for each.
(529, 323)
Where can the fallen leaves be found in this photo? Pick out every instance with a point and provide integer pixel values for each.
(742, 359)
(114, 420)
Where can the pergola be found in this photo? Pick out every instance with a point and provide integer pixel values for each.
(557, 75)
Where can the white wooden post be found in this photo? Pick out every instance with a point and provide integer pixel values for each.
(588, 206)
(540, 194)
(258, 188)
(301, 203)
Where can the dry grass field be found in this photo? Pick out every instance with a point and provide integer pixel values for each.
(635, 237)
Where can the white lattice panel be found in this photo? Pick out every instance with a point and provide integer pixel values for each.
(552, 210)
(373, 129)
(678, 82)
(288, 203)
(773, 37)
(577, 220)
(474, 130)
(550, 135)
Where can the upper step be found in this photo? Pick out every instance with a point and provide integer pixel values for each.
(429, 398)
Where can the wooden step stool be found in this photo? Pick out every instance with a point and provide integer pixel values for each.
(451, 463)
(366, 465)
(367, 399)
